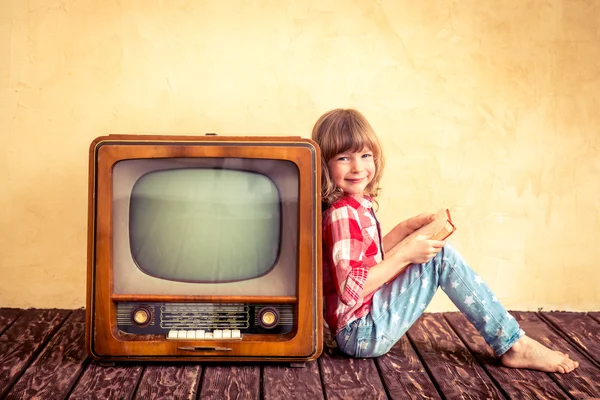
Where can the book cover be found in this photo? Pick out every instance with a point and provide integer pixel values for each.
(439, 229)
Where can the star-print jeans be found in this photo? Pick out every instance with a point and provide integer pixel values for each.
(398, 304)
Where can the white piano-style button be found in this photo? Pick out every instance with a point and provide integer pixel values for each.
(208, 335)
(226, 334)
(236, 334)
(200, 334)
(172, 334)
(217, 334)
(181, 334)
(191, 335)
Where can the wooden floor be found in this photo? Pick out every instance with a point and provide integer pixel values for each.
(42, 356)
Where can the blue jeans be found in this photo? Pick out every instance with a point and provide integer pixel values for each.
(398, 304)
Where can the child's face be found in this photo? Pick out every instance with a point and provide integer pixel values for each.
(352, 172)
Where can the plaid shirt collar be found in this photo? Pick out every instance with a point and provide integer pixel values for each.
(357, 200)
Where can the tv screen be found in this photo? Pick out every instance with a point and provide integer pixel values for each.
(205, 224)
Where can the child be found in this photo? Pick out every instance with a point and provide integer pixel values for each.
(366, 314)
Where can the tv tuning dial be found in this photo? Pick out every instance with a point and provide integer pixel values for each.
(268, 317)
(141, 316)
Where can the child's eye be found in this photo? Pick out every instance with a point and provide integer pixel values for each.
(342, 158)
(367, 155)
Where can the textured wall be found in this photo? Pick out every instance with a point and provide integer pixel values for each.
(488, 107)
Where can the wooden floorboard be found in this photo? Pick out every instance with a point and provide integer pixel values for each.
(21, 342)
(107, 382)
(582, 382)
(350, 378)
(594, 315)
(453, 368)
(582, 330)
(59, 365)
(177, 382)
(7, 317)
(231, 382)
(404, 376)
(283, 382)
(516, 383)
(442, 357)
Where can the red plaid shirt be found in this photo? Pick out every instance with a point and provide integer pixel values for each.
(351, 245)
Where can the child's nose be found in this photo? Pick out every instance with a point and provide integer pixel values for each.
(357, 166)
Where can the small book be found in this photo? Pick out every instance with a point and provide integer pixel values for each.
(439, 229)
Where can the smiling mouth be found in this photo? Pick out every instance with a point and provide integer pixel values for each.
(355, 180)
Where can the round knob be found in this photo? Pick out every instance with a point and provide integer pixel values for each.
(141, 316)
(268, 317)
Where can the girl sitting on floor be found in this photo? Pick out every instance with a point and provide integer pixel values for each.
(376, 287)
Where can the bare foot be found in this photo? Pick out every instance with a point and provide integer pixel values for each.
(528, 353)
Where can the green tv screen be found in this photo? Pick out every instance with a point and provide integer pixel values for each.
(205, 225)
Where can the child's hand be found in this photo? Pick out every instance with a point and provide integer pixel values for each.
(402, 231)
(420, 220)
(417, 249)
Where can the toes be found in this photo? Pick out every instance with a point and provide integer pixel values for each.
(567, 366)
(572, 364)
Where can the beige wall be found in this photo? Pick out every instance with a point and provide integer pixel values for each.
(491, 108)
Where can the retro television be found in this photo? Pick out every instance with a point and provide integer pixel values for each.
(204, 248)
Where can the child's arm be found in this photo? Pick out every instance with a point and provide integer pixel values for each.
(343, 241)
(343, 246)
(405, 228)
(414, 250)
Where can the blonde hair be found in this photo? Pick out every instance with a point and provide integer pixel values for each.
(339, 131)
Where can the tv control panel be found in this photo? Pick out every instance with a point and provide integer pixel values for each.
(180, 321)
